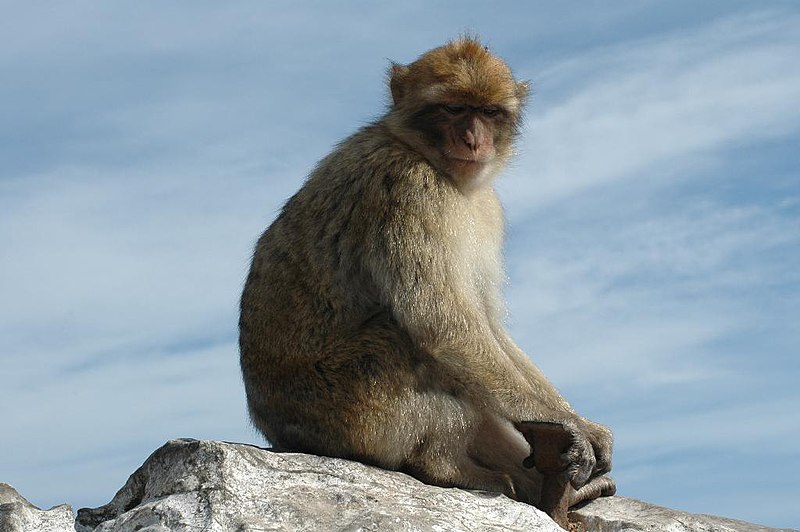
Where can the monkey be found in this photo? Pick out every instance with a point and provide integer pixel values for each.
(371, 319)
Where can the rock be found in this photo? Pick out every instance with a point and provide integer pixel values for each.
(206, 485)
(18, 515)
(620, 514)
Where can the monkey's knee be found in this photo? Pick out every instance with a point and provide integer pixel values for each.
(498, 446)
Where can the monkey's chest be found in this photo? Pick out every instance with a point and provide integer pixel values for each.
(476, 264)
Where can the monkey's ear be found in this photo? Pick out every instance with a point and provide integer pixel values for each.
(522, 90)
(397, 81)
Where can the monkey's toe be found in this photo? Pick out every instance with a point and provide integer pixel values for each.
(603, 486)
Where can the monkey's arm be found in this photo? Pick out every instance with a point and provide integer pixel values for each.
(417, 274)
(599, 436)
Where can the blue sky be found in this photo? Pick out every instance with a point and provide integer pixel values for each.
(654, 222)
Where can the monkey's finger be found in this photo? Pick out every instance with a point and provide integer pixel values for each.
(580, 462)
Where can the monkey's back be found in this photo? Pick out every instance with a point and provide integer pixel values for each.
(307, 287)
(306, 279)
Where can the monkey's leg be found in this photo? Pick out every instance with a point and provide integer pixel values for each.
(498, 445)
(478, 451)
(373, 398)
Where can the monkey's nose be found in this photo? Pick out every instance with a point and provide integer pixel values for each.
(470, 140)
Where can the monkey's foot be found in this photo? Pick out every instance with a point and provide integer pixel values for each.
(602, 486)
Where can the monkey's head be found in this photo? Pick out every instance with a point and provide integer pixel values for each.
(460, 107)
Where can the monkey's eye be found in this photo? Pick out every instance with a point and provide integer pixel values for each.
(490, 111)
(455, 109)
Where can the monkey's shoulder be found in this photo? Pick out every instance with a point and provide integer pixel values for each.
(377, 180)
(372, 158)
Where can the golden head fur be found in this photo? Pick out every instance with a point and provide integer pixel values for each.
(462, 70)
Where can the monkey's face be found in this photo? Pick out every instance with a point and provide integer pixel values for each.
(459, 106)
(468, 143)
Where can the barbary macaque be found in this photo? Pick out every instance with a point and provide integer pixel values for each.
(371, 319)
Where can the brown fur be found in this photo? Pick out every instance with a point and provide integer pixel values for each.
(371, 319)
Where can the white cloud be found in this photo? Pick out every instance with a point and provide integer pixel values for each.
(77, 435)
(642, 299)
(649, 109)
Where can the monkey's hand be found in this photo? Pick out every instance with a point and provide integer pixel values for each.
(577, 457)
(602, 442)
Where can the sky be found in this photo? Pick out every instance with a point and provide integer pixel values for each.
(653, 222)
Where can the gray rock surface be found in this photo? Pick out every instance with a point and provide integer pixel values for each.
(18, 515)
(205, 485)
(210, 486)
(620, 514)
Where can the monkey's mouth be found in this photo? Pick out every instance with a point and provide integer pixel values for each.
(468, 167)
(466, 161)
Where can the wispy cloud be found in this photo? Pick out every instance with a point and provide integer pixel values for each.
(652, 109)
(646, 288)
